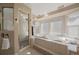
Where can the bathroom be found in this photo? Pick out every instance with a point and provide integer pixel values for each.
(37, 29)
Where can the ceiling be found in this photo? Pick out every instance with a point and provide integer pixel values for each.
(43, 8)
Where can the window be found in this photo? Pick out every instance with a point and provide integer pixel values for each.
(73, 25)
(57, 27)
(73, 31)
(44, 28)
(41, 28)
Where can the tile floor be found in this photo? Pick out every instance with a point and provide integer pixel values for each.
(30, 51)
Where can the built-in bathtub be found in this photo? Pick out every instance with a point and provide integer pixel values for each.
(52, 46)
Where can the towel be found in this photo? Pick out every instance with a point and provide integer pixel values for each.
(72, 47)
(5, 43)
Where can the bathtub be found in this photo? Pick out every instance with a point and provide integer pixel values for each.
(52, 46)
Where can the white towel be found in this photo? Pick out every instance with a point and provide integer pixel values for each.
(5, 43)
(72, 47)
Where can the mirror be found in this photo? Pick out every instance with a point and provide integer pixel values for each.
(8, 19)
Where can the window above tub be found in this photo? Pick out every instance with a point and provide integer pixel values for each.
(56, 26)
(73, 25)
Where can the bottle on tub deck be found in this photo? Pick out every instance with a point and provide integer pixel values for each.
(5, 42)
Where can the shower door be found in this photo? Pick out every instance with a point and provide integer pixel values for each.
(23, 30)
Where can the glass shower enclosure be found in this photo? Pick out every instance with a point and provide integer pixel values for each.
(23, 30)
